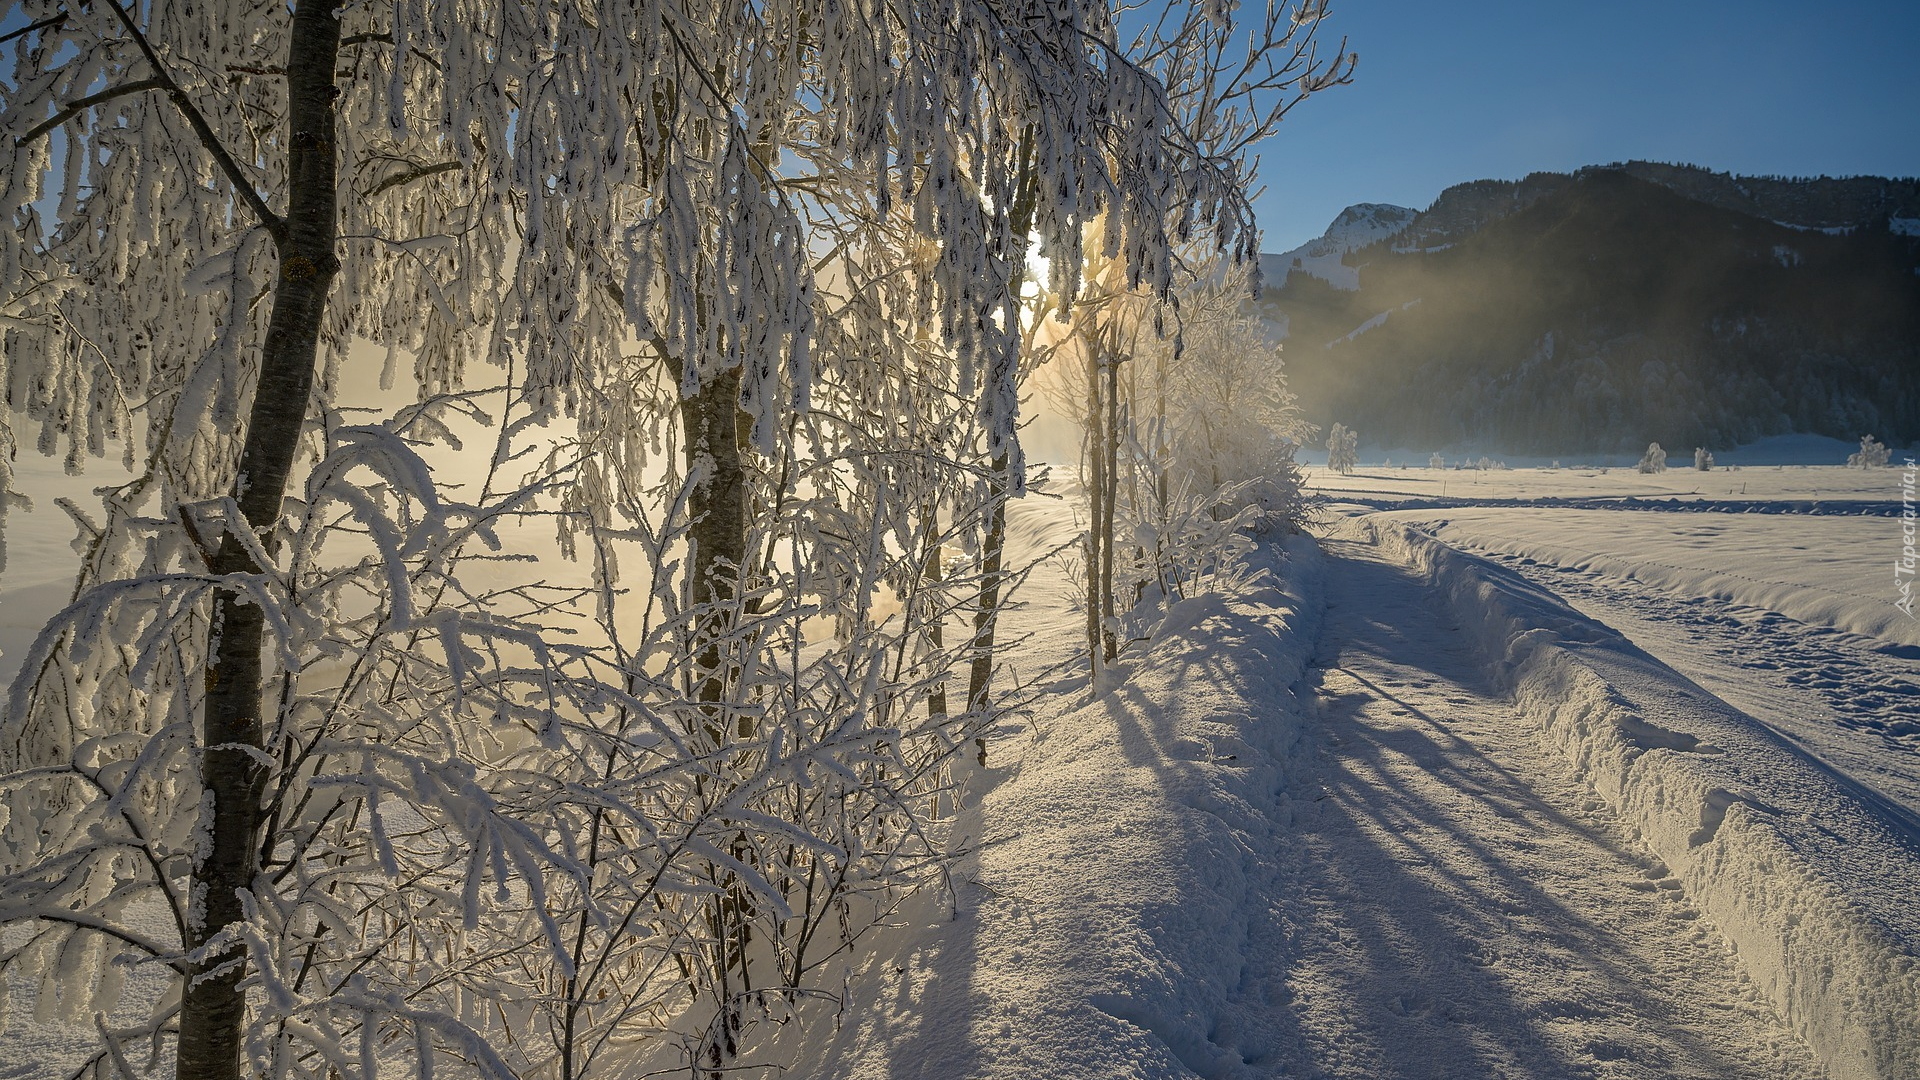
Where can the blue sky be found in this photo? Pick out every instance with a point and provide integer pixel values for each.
(1449, 92)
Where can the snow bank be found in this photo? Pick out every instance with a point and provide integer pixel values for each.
(1812, 877)
(1099, 930)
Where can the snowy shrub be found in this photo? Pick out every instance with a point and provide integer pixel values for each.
(1436, 461)
(1872, 454)
(1193, 548)
(1654, 460)
(1702, 459)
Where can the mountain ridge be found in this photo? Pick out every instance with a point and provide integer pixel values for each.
(1616, 305)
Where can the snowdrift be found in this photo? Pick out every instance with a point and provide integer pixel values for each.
(1812, 877)
(1100, 927)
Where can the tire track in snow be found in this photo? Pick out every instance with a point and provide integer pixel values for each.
(1460, 905)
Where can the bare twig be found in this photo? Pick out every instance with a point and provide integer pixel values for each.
(43, 24)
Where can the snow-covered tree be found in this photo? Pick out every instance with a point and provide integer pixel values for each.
(1342, 449)
(1873, 454)
(1436, 461)
(620, 208)
(1654, 460)
(1231, 418)
(1187, 438)
(1702, 459)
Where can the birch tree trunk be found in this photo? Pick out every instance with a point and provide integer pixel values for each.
(717, 505)
(213, 1006)
(994, 542)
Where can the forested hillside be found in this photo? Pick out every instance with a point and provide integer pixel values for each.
(1598, 311)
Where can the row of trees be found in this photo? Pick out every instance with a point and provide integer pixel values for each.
(751, 277)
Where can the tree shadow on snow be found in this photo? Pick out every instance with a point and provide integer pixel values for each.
(1428, 936)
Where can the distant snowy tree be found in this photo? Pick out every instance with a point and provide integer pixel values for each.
(1436, 461)
(1654, 460)
(1702, 459)
(1872, 454)
(1342, 449)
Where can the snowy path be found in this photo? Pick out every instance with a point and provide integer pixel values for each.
(1460, 906)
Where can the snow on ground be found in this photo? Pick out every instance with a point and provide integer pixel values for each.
(1789, 451)
(1289, 845)
(1111, 923)
(1789, 616)
(1466, 905)
(1774, 487)
(1809, 873)
(1802, 716)
(1405, 813)
(1824, 570)
(1771, 615)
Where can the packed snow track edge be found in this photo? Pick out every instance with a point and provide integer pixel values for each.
(1813, 884)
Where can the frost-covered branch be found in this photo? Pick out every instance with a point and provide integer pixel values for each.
(209, 141)
(76, 108)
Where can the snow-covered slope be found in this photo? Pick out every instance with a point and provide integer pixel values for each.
(1355, 228)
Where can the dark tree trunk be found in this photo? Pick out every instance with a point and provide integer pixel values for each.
(1110, 454)
(716, 429)
(718, 506)
(213, 1007)
(936, 612)
(980, 678)
(1096, 483)
(993, 547)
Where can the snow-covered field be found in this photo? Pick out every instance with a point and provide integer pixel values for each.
(1585, 788)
